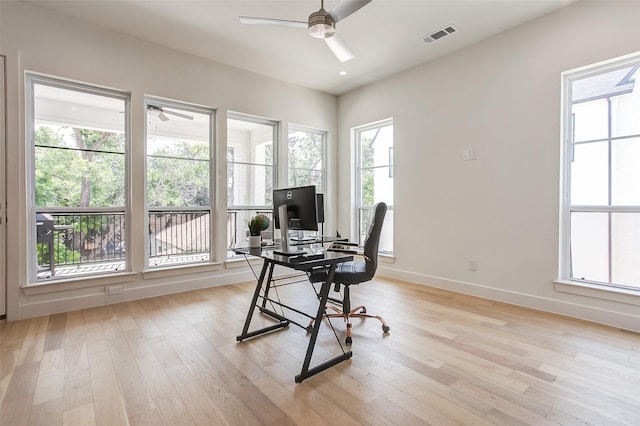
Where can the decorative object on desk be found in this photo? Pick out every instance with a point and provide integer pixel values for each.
(256, 225)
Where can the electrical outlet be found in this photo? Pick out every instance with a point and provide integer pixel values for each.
(466, 155)
(115, 290)
(473, 265)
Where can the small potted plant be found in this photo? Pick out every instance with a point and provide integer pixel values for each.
(256, 225)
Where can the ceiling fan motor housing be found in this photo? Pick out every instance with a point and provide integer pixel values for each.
(321, 24)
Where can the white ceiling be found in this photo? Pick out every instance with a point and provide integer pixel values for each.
(385, 35)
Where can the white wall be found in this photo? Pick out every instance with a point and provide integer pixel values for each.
(501, 99)
(42, 41)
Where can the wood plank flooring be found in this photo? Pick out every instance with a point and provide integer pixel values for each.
(450, 359)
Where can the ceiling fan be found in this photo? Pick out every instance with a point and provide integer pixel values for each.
(160, 112)
(321, 24)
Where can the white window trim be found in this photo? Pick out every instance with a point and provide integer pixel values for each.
(212, 168)
(276, 166)
(31, 79)
(355, 221)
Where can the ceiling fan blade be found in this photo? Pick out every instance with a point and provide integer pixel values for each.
(162, 117)
(337, 46)
(251, 20)
(346, 8)
(177, 114)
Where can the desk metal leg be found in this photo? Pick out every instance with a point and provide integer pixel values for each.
(266, 290)
(307, 372)
(245, 330)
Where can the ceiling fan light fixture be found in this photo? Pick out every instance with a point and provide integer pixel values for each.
(321, 24)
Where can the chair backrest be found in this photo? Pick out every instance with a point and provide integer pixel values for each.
(372, 241)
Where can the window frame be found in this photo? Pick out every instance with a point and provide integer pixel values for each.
(210, 208)
(567, 152)
(359, 207)
(275, 173)
(31, 80)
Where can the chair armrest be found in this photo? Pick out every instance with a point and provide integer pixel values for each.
(347, 247)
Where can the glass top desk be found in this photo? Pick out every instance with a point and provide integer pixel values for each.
(314, 260)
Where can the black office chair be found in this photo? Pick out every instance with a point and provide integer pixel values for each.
(356, 272)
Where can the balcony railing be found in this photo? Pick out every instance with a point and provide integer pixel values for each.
(79, 238)
(81, 243)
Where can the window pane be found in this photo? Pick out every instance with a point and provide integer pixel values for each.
(589, 246)
(386, 236)
(252, 185)
(383, 183)
(625, 170)
(305, 177)
(70, 178)
(178, 237)
(251, 142)
(590, 120)
(376, 186)
(367, 187)
(375, 179)
(375, 146)
(79, 166)
(625, 114)
(589, 174)
(625, 249)
(178, 176)
(250, 173)
(76, 165)
(238, 231)
(305, 157)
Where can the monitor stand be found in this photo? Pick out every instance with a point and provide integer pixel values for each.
(286, 249)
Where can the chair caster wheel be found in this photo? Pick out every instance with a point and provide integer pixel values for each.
(364, 310)
(347, 341)
(386, 328)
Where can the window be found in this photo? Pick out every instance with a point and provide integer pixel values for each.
(250, 172)
(374, 179)
(306, 157)
(78, 184)
(178, 176)
(601, 201)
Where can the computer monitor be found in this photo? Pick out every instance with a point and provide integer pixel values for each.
(301, 207)
(295, 209)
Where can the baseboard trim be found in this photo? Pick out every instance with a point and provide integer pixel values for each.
(100, 298)
(99, 295)
(574, 310)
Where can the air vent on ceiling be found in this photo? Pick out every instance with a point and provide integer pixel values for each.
(441, 33)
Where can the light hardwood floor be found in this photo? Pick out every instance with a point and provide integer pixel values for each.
(449, 359)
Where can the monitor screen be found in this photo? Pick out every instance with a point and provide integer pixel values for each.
(301, 207)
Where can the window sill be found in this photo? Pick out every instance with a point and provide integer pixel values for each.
(630, 297)
(180, 270)
(386, 258)
(241, 262)
(66, 284)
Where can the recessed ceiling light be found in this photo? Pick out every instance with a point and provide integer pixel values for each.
(343, 73)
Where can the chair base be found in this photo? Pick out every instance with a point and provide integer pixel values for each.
(353, 313)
